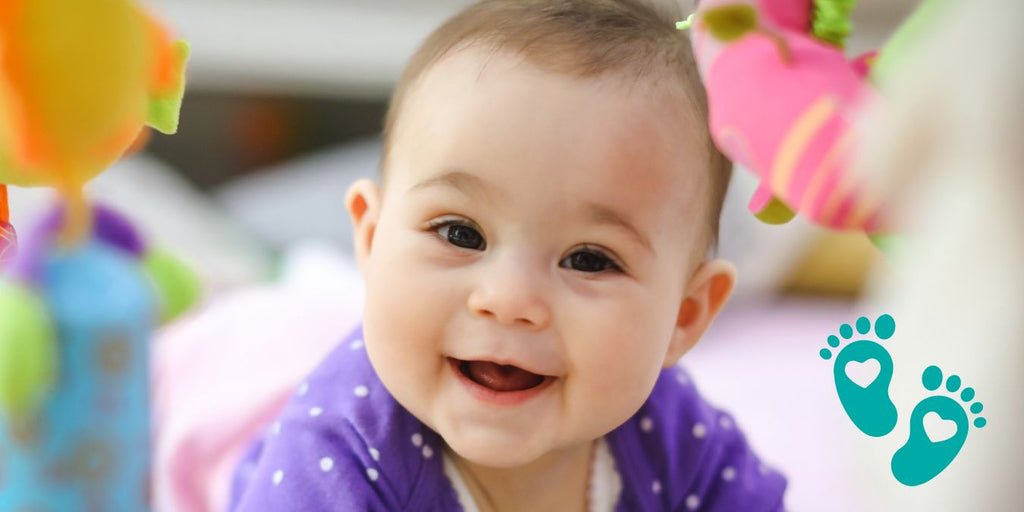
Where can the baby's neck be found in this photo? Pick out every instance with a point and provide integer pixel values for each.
(556, 481)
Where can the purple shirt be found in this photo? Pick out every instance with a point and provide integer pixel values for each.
(344, 444)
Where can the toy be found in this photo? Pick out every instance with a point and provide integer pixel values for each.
(77, 82)
(782, 98)
(83, 292)
(8, 237)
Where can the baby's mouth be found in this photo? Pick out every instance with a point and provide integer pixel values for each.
(499, 377)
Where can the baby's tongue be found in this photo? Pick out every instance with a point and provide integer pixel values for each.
(501, 377)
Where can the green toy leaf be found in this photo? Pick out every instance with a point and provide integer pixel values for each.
(831, 20)
(889, 244)
(165, 108)
(685, 24)
(775, 212)
(178, 288)
(28, 351)
(927, 18)
(731, 22)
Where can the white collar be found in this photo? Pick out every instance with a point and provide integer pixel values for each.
(603, 494)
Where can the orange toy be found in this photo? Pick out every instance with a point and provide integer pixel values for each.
(78, 81)
(7, 235)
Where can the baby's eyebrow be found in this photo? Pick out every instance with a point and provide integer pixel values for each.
(604, 214)
(458, 179)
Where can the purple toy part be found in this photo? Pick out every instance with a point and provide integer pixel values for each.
(109, 228)
(115, 230)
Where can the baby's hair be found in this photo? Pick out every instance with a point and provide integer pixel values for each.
(584, 39)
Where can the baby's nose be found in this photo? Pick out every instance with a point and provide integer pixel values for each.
(512, 294)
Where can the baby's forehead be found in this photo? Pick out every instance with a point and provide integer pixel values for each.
(651, 106)
(667, 88)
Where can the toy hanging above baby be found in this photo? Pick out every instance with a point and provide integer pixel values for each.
(8, 237)
(78, 83)
(783, 99)
(79, 299)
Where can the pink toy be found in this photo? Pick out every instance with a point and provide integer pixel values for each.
(782, 98)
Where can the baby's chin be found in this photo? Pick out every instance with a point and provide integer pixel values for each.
(493, 450)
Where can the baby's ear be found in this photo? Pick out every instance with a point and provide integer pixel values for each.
(363, 204)
(707, 291)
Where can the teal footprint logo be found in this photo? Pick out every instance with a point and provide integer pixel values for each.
(938, 430)
(939, 424)
(863, 372)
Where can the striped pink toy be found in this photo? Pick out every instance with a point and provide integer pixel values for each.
(782, 98)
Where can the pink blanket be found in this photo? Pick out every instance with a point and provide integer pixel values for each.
(223, 373)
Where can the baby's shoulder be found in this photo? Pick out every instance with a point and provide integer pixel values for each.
(678, 452)
(343, 441)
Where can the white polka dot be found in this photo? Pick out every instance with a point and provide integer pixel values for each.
(276, 429)
(682, 378)
(428, 452)
(699, 430)
(356, 345)
(278, 476)
(646, 424)
(373, 474)
(303, 388)
(417, 440)
(375, 454)
(326, 464)
(361, 391)
(725, 422)
(656, 487)
(315, 411)
(729, 474)
(762, 468)
(692, 502)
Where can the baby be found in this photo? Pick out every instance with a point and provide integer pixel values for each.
(535, 267)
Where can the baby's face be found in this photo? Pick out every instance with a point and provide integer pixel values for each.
(537, 221)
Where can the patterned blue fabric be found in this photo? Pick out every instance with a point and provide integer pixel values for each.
(88, 447)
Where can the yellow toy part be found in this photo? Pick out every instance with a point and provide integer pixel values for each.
(78, 81)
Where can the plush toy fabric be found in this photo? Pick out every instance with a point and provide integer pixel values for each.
(78, 81)
(82, 294)
(782, 98)
(8, 237)
(74, 368)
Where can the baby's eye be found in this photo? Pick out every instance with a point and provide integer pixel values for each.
(590, 260)
(460, 235)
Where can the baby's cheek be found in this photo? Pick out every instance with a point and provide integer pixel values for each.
(398, 296)
(618, 374)
(399, 358)
(635, 373)
(403, 322)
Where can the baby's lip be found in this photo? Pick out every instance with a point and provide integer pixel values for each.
(535, 369)
(497, 386)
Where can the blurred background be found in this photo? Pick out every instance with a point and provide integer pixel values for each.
(283, 109)
(284, 105)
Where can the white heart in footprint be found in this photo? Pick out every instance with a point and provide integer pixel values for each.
(937, 428)
(863, 374)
